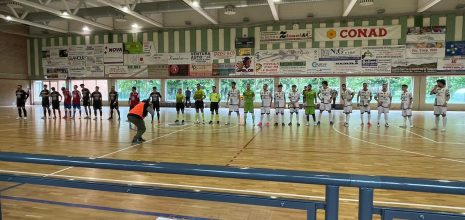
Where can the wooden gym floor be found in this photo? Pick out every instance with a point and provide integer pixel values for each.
(417, 152)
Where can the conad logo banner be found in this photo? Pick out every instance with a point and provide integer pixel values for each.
(392, 32)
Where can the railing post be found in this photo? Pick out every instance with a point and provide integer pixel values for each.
(1, 211)
(365, 205)
(311, 213)
(332, 203)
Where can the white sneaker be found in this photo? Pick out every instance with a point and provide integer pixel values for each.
(17, 118)
(402, 126)
(434, 129)
(443, 130)
(411, 126)
(386, 125)
(307, 124)
(25, 118)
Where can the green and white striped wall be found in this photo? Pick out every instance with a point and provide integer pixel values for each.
(194, 40)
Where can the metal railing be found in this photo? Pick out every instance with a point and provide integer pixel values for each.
(332, 181)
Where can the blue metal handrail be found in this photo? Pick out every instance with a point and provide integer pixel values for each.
(333, 181)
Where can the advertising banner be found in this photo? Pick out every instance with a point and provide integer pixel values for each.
(347, 67)
(133, 48)
(455, 48)
(376, 66)
(223, 69)
(293, 68)
(426, 42)
(178, 69)
(320, 67)
(383, 52)
(158, 71)
(77, 56)
(343, 53)
(113, 54)
(245, 65)
(425, 50)
(414, 65)
(94, 55)
(179, 58)
(285, 36)
(116, 71)
(200, 70)
(451, 64)
(55, 56)
(201, 57)
(358, 33)
(218, 55)
(267, 68)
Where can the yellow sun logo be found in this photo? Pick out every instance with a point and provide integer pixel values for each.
(331, 34)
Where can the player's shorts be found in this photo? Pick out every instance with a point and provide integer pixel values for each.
(45, 103)
(86, 102)
(76, 105)
(97, 104)
(113, 105)
(199, 105)
(279, 110)
(248, 107)
(440, 110)
(265, 110)
(364, 109)
(407, 112)
(55, 104)
(20, 103)
(67, 105)
(156, 106)
(347, 109)
(294, 110)
(310, 110)
(233, 108)
(382, 109)
(325, 106)
(179, 107)
(214, 106)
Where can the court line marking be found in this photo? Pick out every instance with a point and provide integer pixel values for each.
(393, 148)
(263, 193)
(385, 135)
(429, 139)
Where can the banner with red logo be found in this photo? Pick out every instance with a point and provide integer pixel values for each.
(392, 32)
(451, 64)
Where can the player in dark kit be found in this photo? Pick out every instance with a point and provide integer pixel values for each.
(21, 97)
(113, 98)
(97, 102)
(45, 94)
(86, 101)
(56, 98)
(156, 97)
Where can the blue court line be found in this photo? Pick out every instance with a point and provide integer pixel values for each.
(11, 187)
(102, 208)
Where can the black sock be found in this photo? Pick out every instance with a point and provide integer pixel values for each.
(25, 112)
(45, 112)
(111, 113)
(20, 113)
(314, 118)
(118, 112)
(100, 110)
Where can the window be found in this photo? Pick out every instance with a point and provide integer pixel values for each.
(315, 82)
(38, 86)
(255, 84)
(172, 86)
(375, 84)
(144, 88)
(456, 85)
(91, 84)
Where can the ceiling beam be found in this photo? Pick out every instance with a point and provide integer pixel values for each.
(26, 22)
(348, 5)
(196, 6)
(274, 10)
(59, 13)
(129, 11)
(424, 5)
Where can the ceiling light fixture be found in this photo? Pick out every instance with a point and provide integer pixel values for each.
(229, 10)
(195, 3)
(135, 25)
(8, 18)
(125, 9)
(365, 3)
(85, 29)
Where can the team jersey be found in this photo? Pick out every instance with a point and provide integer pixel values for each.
(365, 97)
(215, 97)
(67, 96)
(179, 98)
(85, 93)
(248, 97)
(113, 96)
(45, 94)
(347, 97)
(155, 96)
(234, 96)
(96, 96)
(310, 98)
(384, 98)
(266, 98)
(134, 98)
(325, 95)
(188, 94)
(442, 95)
(199, 94)
(294, 97)
(279, 99)
(76, 97)
(55, 96)
(405, 99)
(21, 95)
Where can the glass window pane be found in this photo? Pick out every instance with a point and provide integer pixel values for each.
(37, 89)
(256, 85)
(144, 87)
(333, 82)
(172, 86)
(375, 84)
(456, 85)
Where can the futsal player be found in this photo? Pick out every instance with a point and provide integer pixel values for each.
(384, 99)
(199, 96)
(113, 98)
(267, 98)
(45, 95)
(134, 98)
(97, 102)
(325, 94)
(279, 104)
(233, 102)
(364, 97)
(86, 101)
(180, 100)
(136, 116)
(21, 97)
(188, 94)
(156, 97)
(346, 97)
(56, 99)
(76, 102)
(249, 97)
(66, 102)
(294, 98)
(310, 101)
(406, 100)
(214, 105)
(440, 103)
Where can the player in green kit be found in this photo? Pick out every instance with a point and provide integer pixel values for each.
(249, 96)
(214, 105)
(199, 96)
(310, 100)
(180, 98)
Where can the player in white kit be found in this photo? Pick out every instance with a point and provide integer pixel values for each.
(234, 101)
(267, 98)
(326, 97)
(384, 99)
(294, 98)
(440, 103)
(406, 100)
(279, 105)
(363, 101)
(346, 97)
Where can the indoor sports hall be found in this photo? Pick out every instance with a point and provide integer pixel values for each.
(232, 109)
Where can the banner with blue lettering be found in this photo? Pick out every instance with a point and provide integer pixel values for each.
(113, 54)
(455, 48)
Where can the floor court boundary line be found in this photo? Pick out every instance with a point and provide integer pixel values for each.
(263, 193)
(437, 142)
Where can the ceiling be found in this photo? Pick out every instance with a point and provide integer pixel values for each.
(45, 17)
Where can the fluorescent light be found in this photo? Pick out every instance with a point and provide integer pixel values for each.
(276, 1)
(85, 28)
(195, 4)
(8, 18)
(65, 13)
(135, 25)
(429, 5)
(349, 7)
(125, 9)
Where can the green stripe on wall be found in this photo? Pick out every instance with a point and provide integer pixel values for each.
(32, 57)
(193, 41)
(120, 38)
(263, 46)
(73, 40)
(140, 37)
(288, 45)
(275, 46)
(65, 40)
(387, 21)
(418, 21)
(216, 39)
(227, 39)
(182, 41)
(403, 23)
(251, 31)
(92, 39)
(110, 38)
(48, 42)
(171, 41)
(83, 40)
(372, 22)
(39, 45)
(314, 43)
(161, 43)
(150, 36)
(434, 20)
(450, 25)
(130, 39)
(101, 38)
(329, 44)
(358, 22)
(343, 43)
(204, 40)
